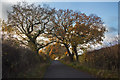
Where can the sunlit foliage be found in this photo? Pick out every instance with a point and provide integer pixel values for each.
(55, 50)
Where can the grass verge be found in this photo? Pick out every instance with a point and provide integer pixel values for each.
(98, 73)
(37, 71)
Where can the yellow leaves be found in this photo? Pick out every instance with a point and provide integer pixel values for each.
(6, 28)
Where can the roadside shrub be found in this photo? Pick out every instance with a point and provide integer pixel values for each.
(17, 59)
(66, 59)
(105, 58)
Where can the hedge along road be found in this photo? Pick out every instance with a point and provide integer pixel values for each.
(60, 70)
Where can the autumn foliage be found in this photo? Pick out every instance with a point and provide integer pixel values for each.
(75, 28)
(65, 29)
(55, 50)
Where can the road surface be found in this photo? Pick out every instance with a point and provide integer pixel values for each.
(59, 70)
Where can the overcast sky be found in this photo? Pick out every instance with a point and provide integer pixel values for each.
(106, 9)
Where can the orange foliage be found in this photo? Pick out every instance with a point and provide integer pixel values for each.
(50, 51)
(40, 51)
(66, 53)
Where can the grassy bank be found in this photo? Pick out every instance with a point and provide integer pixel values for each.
(18, 61)
(37, 71)
(98, 73)
(102, 63)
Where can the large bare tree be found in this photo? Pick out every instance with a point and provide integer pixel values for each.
(61, 21)
(87, 30)
(29, 22)
(73, 28)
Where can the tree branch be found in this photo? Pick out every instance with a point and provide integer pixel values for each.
(46, 44)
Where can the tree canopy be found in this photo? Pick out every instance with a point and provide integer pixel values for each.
(73, 28)
(29, 22)
(67, 27)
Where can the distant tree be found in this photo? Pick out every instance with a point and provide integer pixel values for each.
(55, 50)
(4, 29)
(72, 28)
(29, 22)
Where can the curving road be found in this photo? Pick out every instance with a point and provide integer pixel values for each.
(59, 70)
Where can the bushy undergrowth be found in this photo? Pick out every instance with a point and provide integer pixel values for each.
(105, 58)
(17, 59)
(102, 63)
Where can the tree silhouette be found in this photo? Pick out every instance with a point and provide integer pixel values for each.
(29, 22)
(61, 21)
(67, 27)
(73, 28)
(87, 30)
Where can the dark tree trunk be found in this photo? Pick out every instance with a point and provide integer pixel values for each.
(70, 55)
(75, 50)
(33, 46)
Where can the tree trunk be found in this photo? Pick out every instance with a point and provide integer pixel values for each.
(70, 55)
(33, 46)
(75, 50)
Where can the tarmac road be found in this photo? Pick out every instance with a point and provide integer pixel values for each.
(60, 70)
